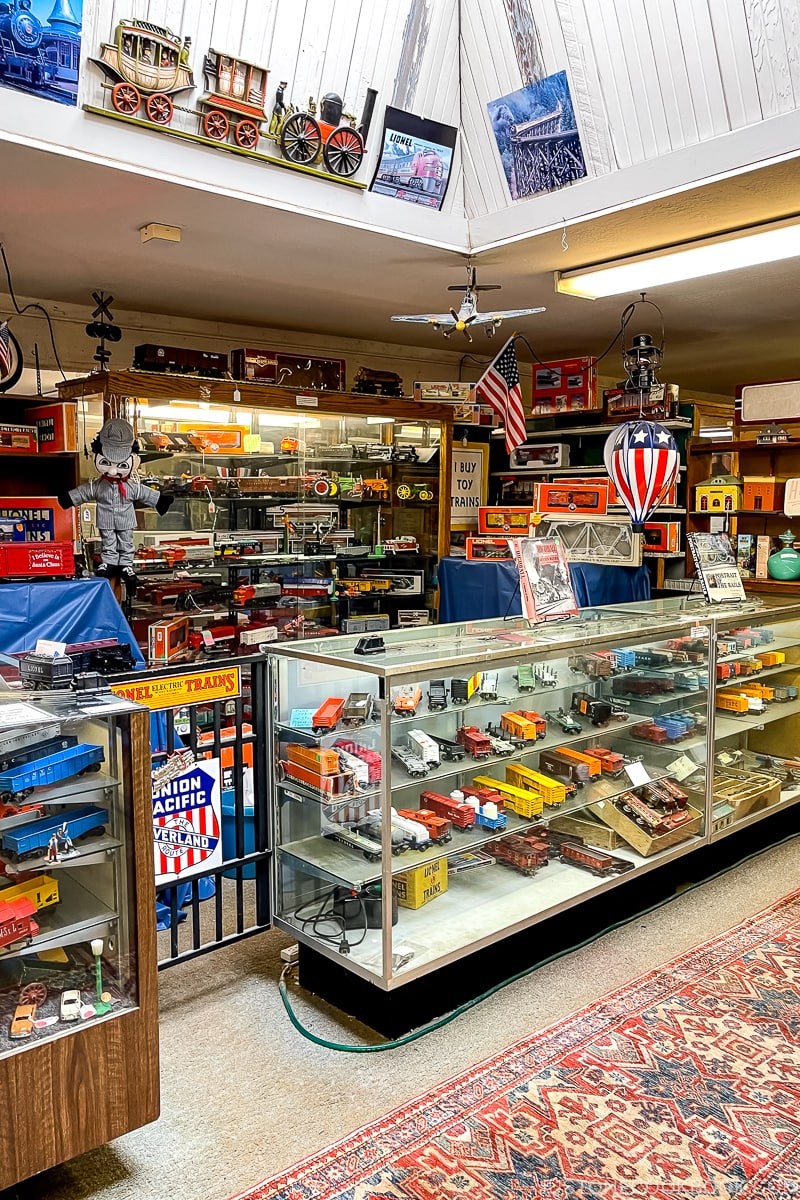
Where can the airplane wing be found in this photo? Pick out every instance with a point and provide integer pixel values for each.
(428, 318)
(506, 315)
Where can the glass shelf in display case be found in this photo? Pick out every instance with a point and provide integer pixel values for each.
(490, 775)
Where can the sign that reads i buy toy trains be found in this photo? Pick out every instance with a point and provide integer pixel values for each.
(186, 823)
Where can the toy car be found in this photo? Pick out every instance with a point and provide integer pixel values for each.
(22, 1021)
(70, 1007)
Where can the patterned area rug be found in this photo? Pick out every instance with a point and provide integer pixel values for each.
(683, 1085)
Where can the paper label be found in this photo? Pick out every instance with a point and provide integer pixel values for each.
(682, 767)
(699, 631)
(637, 773)
(307, 401)
(54, 649)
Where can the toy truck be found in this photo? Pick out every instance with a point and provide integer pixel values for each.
(437, 695)
(475, 742)
(462, 690)
(406, 699)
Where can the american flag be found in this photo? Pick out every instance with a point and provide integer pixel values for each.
(501, 387)
(5, 350)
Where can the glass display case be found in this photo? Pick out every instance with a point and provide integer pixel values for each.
(75, 956)
(292, 515)
(484, 776)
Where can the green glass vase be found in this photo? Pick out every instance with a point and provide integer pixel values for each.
(784, 564)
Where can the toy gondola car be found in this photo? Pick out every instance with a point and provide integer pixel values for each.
(34, 837)
(146, 60)
(42, 772)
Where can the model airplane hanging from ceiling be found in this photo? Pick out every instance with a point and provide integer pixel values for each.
(468, 315)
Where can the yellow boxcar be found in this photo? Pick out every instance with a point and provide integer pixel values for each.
(732, 702)
(552, 792)
(771, 658)
(519, 726)
(42, 891)
(758, 689)
(523, 802)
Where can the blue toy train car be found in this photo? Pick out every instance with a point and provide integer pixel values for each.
(498, 822)
(51, 769)
(40, 750)
(35, 836)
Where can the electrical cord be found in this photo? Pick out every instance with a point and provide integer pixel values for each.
(325, 915)
(40, 308)
(416, 1034)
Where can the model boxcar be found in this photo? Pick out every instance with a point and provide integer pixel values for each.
(325, 762)
(42, 772)
(553, 762)
(593, 665)
(593, 766)
(732, 702)
(524, 801)
(459, 814)
(552, 792)
(25, 840)
(462, 690)
(624, 660)
(652, 658)
(527, 726)
(771, 658)
(642, 685)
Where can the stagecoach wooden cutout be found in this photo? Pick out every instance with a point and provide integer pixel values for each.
(146, 60)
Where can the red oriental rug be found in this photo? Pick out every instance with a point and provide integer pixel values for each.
(685, 1084)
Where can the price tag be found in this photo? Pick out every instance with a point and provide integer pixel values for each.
(54, 649)
(699, 631)
(682, 767)
(637, 773)
(307, 401)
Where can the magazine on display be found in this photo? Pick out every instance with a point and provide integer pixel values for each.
(544, 579)
(715, 562)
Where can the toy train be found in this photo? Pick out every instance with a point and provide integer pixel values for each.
(41, 749)
(371, 757)
(597, 711)
(178, 360)
(43, 772)
(320, 770)
(524, 725)
(552, 792)
(476, 743)
(524, 854)
(642, 685)
(526, 802)
(34, 837)
(439, 829)
(460, 814)
(564, 767)
(18, 926)
(597, 862)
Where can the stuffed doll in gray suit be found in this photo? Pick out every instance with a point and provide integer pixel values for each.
(115, 449)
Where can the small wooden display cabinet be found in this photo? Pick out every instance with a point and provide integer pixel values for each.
(78, 990)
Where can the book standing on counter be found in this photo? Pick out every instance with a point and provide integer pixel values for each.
(544, 579)
(716, 567)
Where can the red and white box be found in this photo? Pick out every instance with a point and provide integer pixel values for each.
(21, 559)
(581, 499)
(18, 439)
(57, 426)
(662, 537)
(568, 385)
(488, 549)
(168, 640)
(504, 520)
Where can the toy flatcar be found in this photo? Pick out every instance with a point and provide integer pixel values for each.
(597, 862)
(598, 711)
(413, 763)
(25, 840)
(484, 795)
(460, 815)
(42, 772)
(524, 854)
(488, 815)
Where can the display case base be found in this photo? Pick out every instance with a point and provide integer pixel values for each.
(422, 1000)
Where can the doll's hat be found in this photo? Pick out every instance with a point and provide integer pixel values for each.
(116, 440)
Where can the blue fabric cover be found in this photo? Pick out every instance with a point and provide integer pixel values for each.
(75, 610)
(471, 591)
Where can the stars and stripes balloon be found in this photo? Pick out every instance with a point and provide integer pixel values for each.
(642, 459)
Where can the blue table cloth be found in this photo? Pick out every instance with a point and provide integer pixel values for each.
(73, 610)
(470, 591)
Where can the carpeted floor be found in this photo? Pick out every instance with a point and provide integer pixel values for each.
(683, 1083)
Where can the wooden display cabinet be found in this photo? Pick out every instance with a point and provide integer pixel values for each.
(72, 1085)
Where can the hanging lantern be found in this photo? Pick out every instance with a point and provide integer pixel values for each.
(643, 461)
(642, 362)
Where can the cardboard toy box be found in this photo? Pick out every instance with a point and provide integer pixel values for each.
(663, 537)
(581, 499)
(587, 827)
(480, 549)
(637, 837)
(168, 639)
(736, 793)
(57, 426)
(19, 439)
(567, 385)
(421, 884)
(504, 519)
(538, 456)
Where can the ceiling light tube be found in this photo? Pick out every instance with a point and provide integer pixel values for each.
(693, 260)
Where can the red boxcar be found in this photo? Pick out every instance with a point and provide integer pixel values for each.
(460, 815)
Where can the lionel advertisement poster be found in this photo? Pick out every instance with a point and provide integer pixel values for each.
(416, 159)
(40, 48)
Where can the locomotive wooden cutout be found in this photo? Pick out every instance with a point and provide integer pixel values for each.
(147, 66)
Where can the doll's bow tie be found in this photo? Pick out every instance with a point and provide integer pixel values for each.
(120, 484)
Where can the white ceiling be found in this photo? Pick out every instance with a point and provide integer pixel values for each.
(70, 227)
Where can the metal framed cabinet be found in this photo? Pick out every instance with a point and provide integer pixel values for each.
(471, 780)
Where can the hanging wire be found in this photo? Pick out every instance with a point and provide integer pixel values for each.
(38, 307)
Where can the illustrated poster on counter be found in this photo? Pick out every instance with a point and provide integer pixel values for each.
(416, 159)
(187, 823)
(544, 580)
(42, 49)
(715, 562)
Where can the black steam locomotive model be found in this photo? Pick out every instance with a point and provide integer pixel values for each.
(23, 62)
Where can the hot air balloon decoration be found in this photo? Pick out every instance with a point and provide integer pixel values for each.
(643, 461)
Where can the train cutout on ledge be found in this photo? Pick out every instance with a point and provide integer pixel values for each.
(147, 66)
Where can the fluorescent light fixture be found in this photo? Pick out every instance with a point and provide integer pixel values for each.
(693, 260)
(209, 415)
(380, 420)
